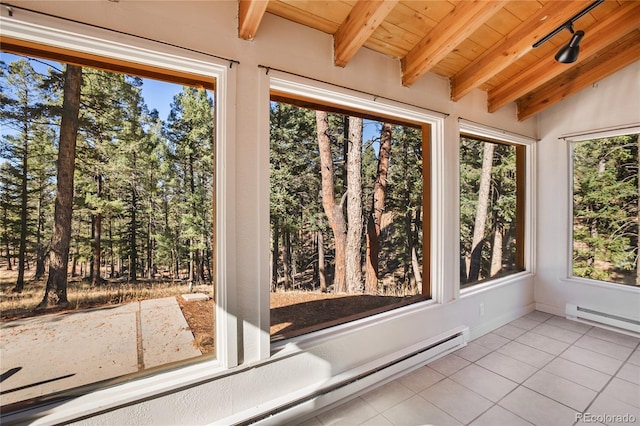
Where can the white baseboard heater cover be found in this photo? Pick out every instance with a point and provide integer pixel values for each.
(594, 317)
(350, 384)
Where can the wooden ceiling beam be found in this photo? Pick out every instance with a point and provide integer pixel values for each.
(358, 26)
(250, 13)
(608, 61)
(459, 24)
(513, 46)
(598, 36)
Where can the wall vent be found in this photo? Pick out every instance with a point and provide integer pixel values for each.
(603, 319)
(350, 384)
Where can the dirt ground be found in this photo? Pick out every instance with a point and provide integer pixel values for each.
(294, 313)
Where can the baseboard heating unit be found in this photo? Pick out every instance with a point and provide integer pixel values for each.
(351, 383)
(594, 317)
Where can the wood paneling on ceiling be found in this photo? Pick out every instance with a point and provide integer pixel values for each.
(476, 44)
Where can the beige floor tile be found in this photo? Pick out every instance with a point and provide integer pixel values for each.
(448, 364)
(537, 409)
(484, 382)
(350, 413)
(605, 405)
(507, 367)
(635, 357)
(604, 347)
(526, 354)
(418, 411)
(543, 343)
(456, 400)
(613, 337)
(524, 323)
(562, 390)
(509, 331)
(592, 359)
(624, 391)
(557, 333)
(311, 422)
(538, 316)
(472, 352)
(491, 341)
(378, 420)
(420, 379)
(577, 373)
(498, 416)
(576, 326)
(630, 373)
(388, 395)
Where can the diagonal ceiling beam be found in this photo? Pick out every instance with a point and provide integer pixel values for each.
(250, 13)
(607, 62)
(463, 20)
(513, 46)
(598, 36)
(358, 26)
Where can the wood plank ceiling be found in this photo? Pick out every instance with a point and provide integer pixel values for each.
(476, 44)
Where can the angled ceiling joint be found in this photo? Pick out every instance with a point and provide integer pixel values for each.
(250, 13)
(362, 21)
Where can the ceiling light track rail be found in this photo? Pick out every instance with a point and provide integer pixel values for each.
(569, 24)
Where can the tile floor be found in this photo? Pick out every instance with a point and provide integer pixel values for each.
(537, 370)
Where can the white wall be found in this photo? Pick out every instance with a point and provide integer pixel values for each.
(212, 27)
(614, 101)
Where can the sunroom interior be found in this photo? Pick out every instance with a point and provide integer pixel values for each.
(448, 70)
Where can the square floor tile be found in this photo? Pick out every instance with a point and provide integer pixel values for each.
(506, 366)
(388, 395)
(543, 343)
(498, 416)
(491, 341)
(526, 354)
(472, 352)
(352, 412)
(418, 411)
(456, 400)
(605, 405)
(420, 379)
(570, 325)
(524, 323)
(538, 316)
(557, 333)
(591, 359)
(577, 373)
(613, 337)
(448, 364)
(630, 373)
(624, 391)
(484, 382)
(604, 347)
(509, 331)
(562, 390)
(537, 409)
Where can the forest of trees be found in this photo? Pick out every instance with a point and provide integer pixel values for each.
(488, 198)
(346, 213)
(140, 203)
(606, 197)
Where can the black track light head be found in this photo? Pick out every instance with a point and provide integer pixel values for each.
(569, 53)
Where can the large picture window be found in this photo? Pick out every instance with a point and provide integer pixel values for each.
(605, 209)
(349, 214)
(107, 228)
(492, 195)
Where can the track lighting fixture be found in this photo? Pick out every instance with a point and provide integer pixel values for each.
(569, 53)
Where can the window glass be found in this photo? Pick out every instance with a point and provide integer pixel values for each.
(347, 217)
(605, 209)
(109, 273)
(491, 225)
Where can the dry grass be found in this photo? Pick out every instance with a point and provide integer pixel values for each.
(81, 294)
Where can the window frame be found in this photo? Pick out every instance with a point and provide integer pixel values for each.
(56, 39)
(313, 92)
(570, 140)
(525, 157)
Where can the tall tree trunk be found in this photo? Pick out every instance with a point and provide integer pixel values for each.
(286, 260)
(322, 277)
(97, 238)
(375, 218)
(275, 255)
(412, 236)
(24, 178)
(332, 210)
(475, 260)
(354, 207)
(496, 251)
(40, 248)
(56, 288)
(5, 222)
(133, 244)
